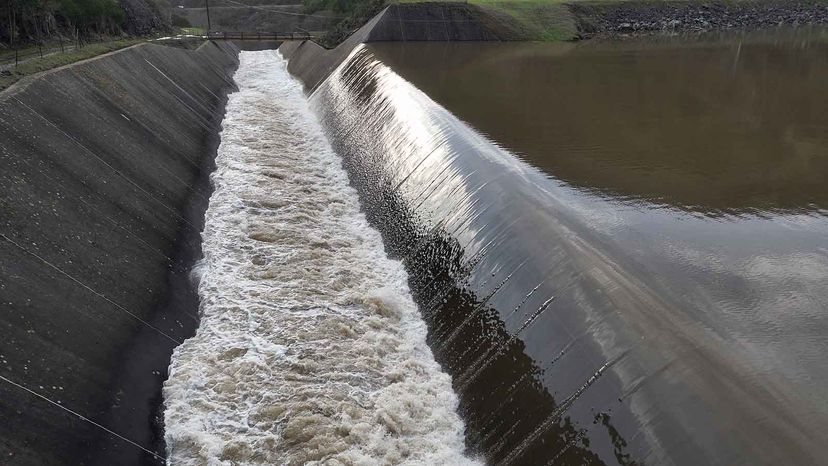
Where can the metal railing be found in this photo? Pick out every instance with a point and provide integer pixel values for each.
(242, 35)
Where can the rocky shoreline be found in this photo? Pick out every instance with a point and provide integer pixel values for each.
(636, 18)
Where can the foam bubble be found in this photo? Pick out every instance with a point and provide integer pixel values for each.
(310, 347)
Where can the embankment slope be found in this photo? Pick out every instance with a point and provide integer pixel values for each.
(448, 21)
(103, 185)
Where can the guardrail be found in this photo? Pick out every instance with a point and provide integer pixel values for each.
(241, 35)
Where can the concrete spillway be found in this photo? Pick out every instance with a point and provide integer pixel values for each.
(380, 281)
(562, 348)
(103, 187)
(310, 347)
(102, 190)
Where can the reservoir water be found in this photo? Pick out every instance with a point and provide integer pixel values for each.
(719, 127)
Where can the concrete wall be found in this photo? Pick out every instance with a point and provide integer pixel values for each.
(312, 63)
(103, 185)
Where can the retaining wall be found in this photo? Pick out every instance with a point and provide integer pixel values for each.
(103, 187)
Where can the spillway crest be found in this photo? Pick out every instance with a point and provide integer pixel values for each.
(310, 347)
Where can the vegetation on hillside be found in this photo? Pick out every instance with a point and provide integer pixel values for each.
(356, 12)
(34, 21)
(544, 20)
(30, 67)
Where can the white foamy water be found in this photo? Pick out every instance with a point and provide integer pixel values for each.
(310, 347)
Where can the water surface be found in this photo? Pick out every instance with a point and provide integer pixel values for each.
(714, 126)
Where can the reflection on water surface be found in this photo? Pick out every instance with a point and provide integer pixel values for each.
(716, 126)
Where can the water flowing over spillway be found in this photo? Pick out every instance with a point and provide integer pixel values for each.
(562, 346)
(310, 347)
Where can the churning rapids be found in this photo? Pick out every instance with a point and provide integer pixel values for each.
(310, 347)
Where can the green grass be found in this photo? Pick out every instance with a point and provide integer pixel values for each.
(193, 31)
(37, 65)
(541, 20)
(546, 20)
(7, 52)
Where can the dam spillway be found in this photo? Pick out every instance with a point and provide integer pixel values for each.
(310, 347)
(576, 328)
(382, 282)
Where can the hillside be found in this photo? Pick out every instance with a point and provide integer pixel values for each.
(249, 15)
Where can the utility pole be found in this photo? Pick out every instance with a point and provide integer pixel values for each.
(14, 36)
(207, 5)
(39, 38)
(11, 25)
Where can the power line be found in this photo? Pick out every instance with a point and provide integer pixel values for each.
(92, 290)
(155, 455)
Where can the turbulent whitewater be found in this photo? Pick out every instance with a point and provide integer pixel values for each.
(310, 347)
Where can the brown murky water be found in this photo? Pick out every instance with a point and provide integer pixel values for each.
(639, 272)
(736, 125)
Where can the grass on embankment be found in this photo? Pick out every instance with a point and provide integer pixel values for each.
(543, 20)
(36, 65)
(194, 31)
(547, 20)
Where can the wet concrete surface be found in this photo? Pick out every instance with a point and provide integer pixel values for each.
(612, 264)
(712, 126)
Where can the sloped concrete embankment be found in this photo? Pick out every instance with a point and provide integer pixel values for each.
(312, 63)
(103, 186)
